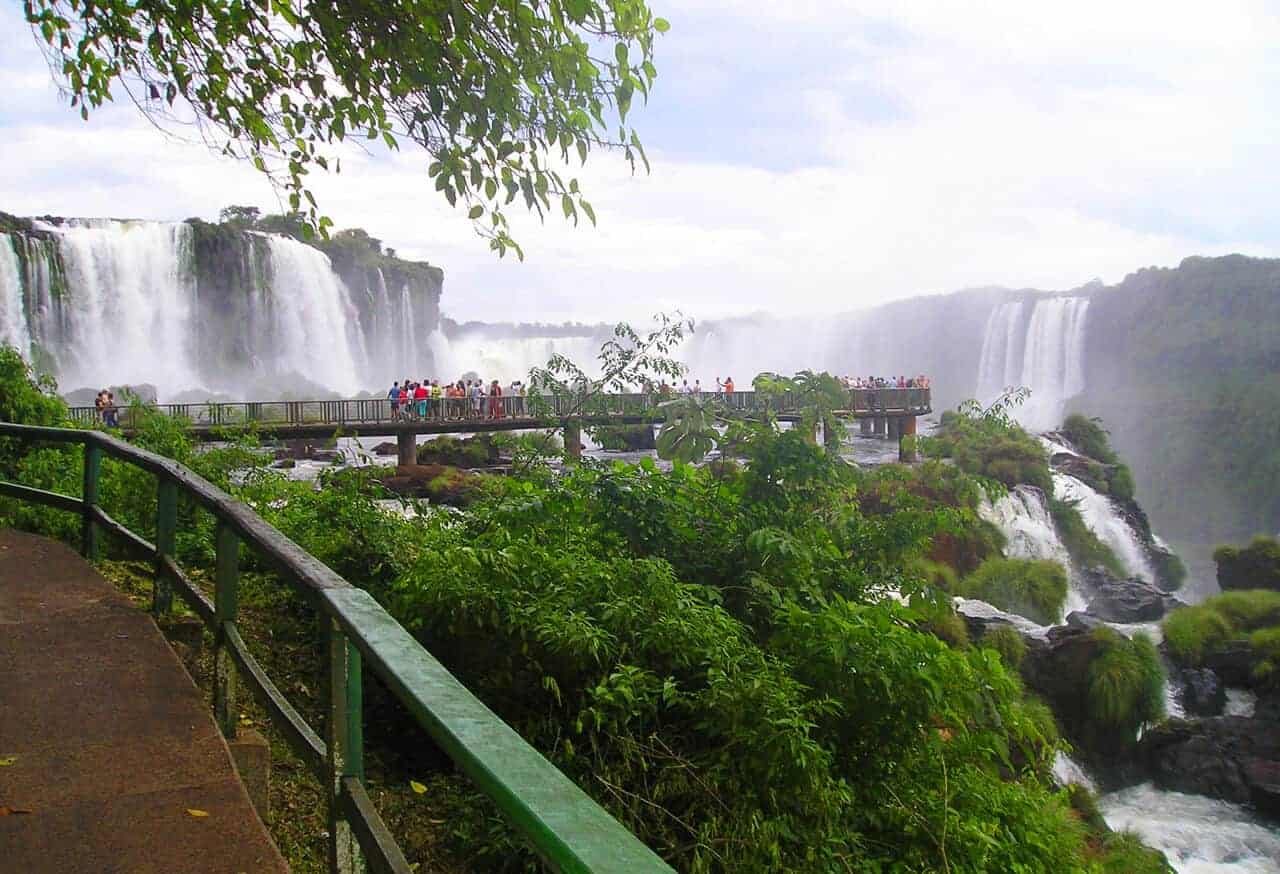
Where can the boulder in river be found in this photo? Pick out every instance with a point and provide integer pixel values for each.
(1203, 693)
(386, 448)
(1125, 600)
(1229, 757)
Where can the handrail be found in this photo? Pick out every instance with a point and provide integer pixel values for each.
(549, 410)
(567, 828)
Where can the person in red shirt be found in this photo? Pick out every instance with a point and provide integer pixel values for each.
(495, 400)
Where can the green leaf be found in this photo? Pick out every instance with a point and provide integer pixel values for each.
(475, 212)
(661, 25)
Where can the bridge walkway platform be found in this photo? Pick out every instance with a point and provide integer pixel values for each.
(110, 760)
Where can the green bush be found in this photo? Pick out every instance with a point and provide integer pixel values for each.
(1191, 632)
(1034, 588)
(1088, 435)
(1256, 566)
(1008, 643)
(1126, 682)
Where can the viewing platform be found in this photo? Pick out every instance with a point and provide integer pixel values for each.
(889, 413)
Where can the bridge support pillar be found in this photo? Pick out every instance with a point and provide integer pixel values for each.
(893, 429)
(881, 424)
(573, 441)
(406, 448)
(907, 439)
(864, 427)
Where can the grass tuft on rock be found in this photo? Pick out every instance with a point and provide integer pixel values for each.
(1034, 588)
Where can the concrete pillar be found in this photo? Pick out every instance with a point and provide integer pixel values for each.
(907, 440)
(573, 441)
(406, 448)
(891, 429)
(864, 427)
(881, 423)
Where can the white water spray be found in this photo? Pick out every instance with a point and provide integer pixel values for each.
(1111, 527)
(1022, 515)
(13, 317)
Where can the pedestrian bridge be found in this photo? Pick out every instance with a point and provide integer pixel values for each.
(886, 412)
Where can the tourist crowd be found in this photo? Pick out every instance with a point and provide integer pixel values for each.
(464, 399)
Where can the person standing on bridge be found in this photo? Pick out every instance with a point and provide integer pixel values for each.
(495, 400)
(394, 397)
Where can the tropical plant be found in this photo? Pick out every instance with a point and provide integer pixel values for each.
(1034, 588)
(500, 95)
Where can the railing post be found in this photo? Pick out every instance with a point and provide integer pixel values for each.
(166, 533)
(225, 598)
(88, 527)
(345, 744)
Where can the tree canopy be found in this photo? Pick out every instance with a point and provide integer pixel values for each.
(501, 94)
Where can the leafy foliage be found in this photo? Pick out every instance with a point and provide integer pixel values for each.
(713, 652)
(988, 443)
(498, 94)
(1034, 588)
(1007, 642)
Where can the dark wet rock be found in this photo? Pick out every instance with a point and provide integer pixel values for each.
(438, 483)
(1125, 600)
(1234, 662)
(1203, 693)
(626, 438)
(306, 450)
(386, 448)
(285, 464)
(1228, 757)
(1083, 621)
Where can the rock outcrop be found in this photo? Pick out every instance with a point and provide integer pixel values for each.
(1228, 757)
(1125, 600)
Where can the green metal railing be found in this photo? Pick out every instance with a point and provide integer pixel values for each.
(564, 825)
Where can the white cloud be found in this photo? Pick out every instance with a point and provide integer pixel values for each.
(1023, 147)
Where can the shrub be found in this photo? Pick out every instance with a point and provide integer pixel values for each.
(1266, 645)
(1034, 588)
(1256, 566)
(1088, 435)
(1191, 632)
(1008, 643)
(1126, 682)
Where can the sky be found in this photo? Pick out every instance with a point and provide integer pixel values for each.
(808, 156)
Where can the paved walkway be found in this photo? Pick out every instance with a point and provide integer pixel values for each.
(105, 742)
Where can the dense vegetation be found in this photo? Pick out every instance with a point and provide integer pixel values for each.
(1105, 473)
(1183, 365)
(1243, 618)
(736, 659)
(990, 444)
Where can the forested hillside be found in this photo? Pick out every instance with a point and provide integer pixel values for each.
(1183, 365)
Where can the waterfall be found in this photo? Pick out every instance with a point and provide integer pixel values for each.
(1101, 517)
(1000, 364)
(128, 294)
(1044, 352)
(1023, 517)
(310, 325)
(13, 315)
(1067, 771)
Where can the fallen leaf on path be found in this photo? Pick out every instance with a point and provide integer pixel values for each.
(7, 760)
(417, 787)
(192, 811)
(13, 811)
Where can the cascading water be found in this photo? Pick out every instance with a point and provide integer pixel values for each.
(1111, 527)
(1046, 356)
(13, 318)
(309, 318)
(1000, 366)
(106, 302)
(130, 300)
(1022, 515)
